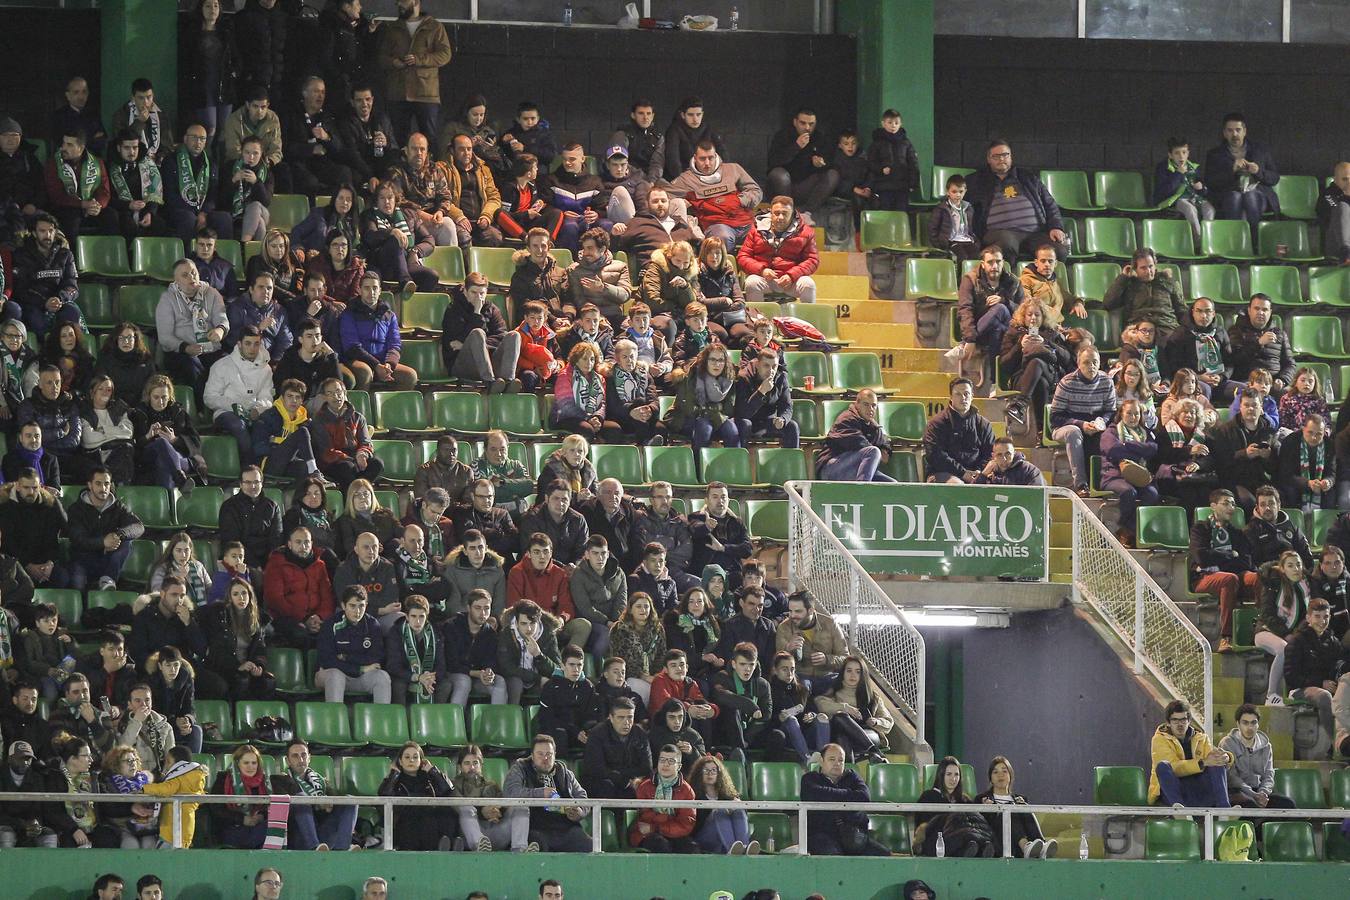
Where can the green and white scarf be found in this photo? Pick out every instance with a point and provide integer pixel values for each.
(665, 790)
(394, 222)
(1132, 433)
(1311, 465)
(193, 187)
(152, 188)
(588, 391)
(6, 642)
(82, 812)
(242, 188)
(314, 518)
(81, 186)
(418, 569)
(311, 783)
(1207, 360)
(419, 661)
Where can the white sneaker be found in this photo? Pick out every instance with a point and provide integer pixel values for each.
(1050, 849)
(107, 584)
(322, 848)
(1274, 700)
(736, 849)
(1033, 849)
(752, 848)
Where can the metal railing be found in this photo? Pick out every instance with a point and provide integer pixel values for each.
(1165, 643)
(593, 809)
(875, 627)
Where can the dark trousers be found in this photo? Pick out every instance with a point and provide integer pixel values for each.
(182, 223)
(39, 321)
(848, 840)
(659, 843)
(807, 193)
(761, 429)
(292, 458)
(410, 116)
(317, 175)
(161, 463)
(74, 222)
(186, 369)
(344, 471)
(87, 567)
(392, 263)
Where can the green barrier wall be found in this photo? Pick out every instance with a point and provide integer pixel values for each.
(228, 875)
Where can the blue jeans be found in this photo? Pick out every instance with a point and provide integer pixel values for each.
(732, 237)
(1131, 498)
(310, 826)
(722, 828)
(990, 328)
(702, 433)
(244, 837)
(37, 320)
(855, 465)
(1208, 788)
(808, 739)
(87, 567)
(238, 428)
(1249, 205)
(164, 462)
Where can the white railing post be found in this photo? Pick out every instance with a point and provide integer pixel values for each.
(801, 831)
(1138, 625)
(596, 813)
(1005, 823)
(1074, 550)
(177, 833)
(388, 825)
(1209, 835)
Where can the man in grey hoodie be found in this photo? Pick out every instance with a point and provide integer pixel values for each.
(599, 590)
(1251, 777)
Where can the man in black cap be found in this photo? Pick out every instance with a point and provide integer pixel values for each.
(21, 821)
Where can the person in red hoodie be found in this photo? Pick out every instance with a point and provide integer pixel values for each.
(720, 194)
(299, 591)
(674, 683)
(78, 190)
(538, 348)
(779, 254)
(537, 577)
(665, 829)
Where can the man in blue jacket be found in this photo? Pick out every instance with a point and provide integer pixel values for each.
(1013, 207)
(1241, 175)
(351, 651)
(958, 441)
(370, 342)
(837, 832)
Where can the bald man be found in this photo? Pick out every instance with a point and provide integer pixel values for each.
(1333, 212)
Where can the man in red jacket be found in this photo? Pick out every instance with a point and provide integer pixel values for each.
(779, 254)
(537, 577)
(299, 591)
(78, 190)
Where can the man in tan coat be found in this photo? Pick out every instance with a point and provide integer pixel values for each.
(814, 638)
(413, 50)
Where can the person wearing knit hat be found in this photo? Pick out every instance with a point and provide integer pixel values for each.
(20, 181)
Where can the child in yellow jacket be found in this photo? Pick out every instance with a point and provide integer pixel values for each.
(183, 777)
(1195, 772)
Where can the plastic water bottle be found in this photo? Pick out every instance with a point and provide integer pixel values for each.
(735, 19)
(772, 844)
(941, 846)
(567, 14)
(1083, 846)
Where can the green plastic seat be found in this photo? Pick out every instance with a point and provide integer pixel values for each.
(940, 176)
(1170, 238)
(1244, 628)
(362, 775)
(1219, 282)
(96, 302)
(886, 230)
(110, 599)
(801, 363)
(1293, 235)
(767, 520)
(892, 832)
(400, 462)
(152, 505)
(776, 465)
(1303, 786)
(380, 724)
(905, 421)
(1317, 336)
(1286, 841)
(438, 725)
(69, 604)
(1113, 238)
(232, 252)
(967, 778)
(136, 303)
(1172, 840)
(1105, 332)
(326, 724)
(1204, 514)
(730, 465)
(1070, 190)
(288, 665)
(806, 413)
(201, 508)
(1298, 196)
(251, 249)
(1229, 239)
(448, 264)
(621, 461)
(142, 556)
(824, 316)
(1162, 528)
(1280, 283)
(893, 783)
(328, 767)
(426, 359)
(542, 450)
(674, 464)
(930, 279)
(102, 256)
(903, 466)
(493, 725)
(401, 411)
(217, 711)
(1319, 523)
(855, 371)
(778, 828)
(1091, 279)
(775, 781)
(1335, 845)
(423, 312)
(222, 457)
(1119, 785)
(459, 411)
(1123, 192)
(516, 414)
(1329, 285)
(1340, 789)
(288, 211)
(155, 256)
(246, 712)
(494, 263)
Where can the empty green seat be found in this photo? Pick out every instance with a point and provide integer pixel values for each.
(542, 450)
(730, 465)
(1335, 845)
(401, 411)
(1119, 785)
(438, 725)
(775, 781)
(142, 556)
(1123, 192)
(201, 508)
(893, 783)
(1109, 237)
(222, 457)
(494, 263)
(288, 211)
(1319, 523)
(1227, 239)
(767, 520)
(325, 724)
(1070, 190)
(930, 279)
(459, 411)
(1280, 283)
(233, 253)
(905, 421)
(288, 665)
(1162, 528)
(1170, 238)
(1219, 282)
(136, 303)
(806, 413)
(426, 359)
(1340, 788)
(1288, 841)
(152, 505)
(516, 414)
(856, 371)
(1291, 236)
(1090, 280)
(1105, 332)
(102, 256)
(775, 465)
(778, 829)
(380, 724)
(216, 712)
(674, 464)
(1172, 840)
(362, 775)
(502, 726)
(1317, 336)
(360, 401)
(1298, 196)
(448, 264)
(1329, 285)
(1303, 786)
(97, 304)
(621, 461)
(892, 832)
(886, 230)
(155, 256)
(903, 466)
(399, 458)
(69, 604)
(801, 363)
(424, 311)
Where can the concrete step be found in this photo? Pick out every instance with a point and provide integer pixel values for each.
(905, 359)
(871, 310)
(916, 383)
(890, 335)
(842, 287)
(839, 262)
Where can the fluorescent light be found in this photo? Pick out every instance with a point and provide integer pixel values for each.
(929, 619)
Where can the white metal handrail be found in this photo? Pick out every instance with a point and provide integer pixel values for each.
(1004, 811)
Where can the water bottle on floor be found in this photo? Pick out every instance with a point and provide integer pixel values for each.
(941, 846)
(1083, 846)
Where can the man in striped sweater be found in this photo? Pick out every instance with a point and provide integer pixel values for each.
(1084, 404)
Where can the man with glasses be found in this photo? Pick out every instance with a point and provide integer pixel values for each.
(1186, 769)
(1199, 343)
(1013, 207)
(190, 184)
(251, 517)
(267, 885)
(482, 514)
(342, 440)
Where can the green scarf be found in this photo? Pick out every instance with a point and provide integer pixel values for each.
(1311, 465)
(419, 662)
(84, 814)
(83, 187)
(588, 391)
(311, 783)
(152, 190)
(395, 222)
(242, 188)
(1207, 360)
(1137, 434)
(418, 570)
(237, 782)
(6, 642)
(697, 340)
(435, 540)
(688, 623)
(314, 518)
(191, 187)
(1186, 191)
(665, 790)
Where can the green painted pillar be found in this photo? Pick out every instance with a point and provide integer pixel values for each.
(140, 40)
(895, 66)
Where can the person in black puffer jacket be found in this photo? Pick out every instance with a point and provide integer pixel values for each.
(419, 827)
(857, 444)
(125, 358)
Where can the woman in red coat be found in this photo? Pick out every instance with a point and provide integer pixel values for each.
(665, 829)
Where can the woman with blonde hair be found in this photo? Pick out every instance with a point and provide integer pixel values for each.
(363, 513)
(571, 465)
(1033, 356)
(276, 260)
(136, 824)
(669, 283)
